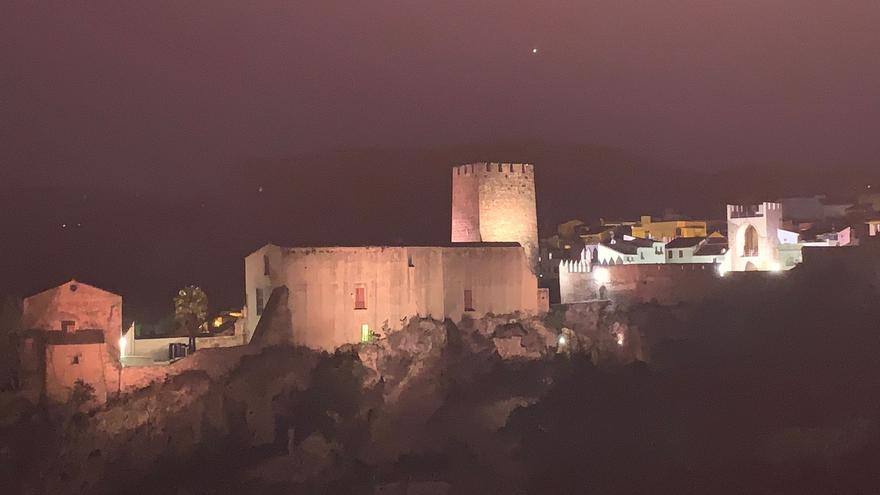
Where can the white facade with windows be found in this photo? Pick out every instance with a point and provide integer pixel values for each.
(630, 251)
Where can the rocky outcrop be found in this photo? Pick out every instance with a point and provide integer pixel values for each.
(300, 418)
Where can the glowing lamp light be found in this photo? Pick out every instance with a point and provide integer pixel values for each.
(775, 267)
(562, 340)
(601, 276)
(218, 322)
(721, 271)
(122, 343)
(620, 339)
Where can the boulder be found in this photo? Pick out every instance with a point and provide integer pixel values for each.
(513, 348)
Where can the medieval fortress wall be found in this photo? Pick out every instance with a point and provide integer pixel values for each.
(495, 202)
(663, 283)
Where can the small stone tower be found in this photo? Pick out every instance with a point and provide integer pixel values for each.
(753, 237)
(495, 202)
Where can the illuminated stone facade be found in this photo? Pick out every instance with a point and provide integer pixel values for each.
(73, 331)
(495, 202)
(342, 295)
(581, 281)
(753, 237)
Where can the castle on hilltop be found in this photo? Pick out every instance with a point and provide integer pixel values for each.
(326, 297)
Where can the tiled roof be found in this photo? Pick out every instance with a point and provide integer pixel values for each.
(629, 246)
(684, 242)
(711, 249)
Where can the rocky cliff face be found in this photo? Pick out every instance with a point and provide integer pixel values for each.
(431, 399)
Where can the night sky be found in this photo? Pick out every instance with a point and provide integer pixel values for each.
(149, 127)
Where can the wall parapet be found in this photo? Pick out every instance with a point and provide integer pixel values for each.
(485, 168)
(752, 211)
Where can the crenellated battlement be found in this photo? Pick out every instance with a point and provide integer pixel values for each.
(749, 211)
(487, 168)
(495, 202)
(575, 266)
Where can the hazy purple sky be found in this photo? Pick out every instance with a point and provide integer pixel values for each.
(136, 89)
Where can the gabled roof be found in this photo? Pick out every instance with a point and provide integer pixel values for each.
(711, 249)
(74, 285)
(643, 243)
(622, 247)
(628, 246)
(684, 242)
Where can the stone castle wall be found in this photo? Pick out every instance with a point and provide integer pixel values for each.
(667, 284)
(495, 202)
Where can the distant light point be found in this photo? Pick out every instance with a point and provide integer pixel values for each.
(534, 50)
(260, 189)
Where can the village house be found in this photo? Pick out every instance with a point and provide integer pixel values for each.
(697, 249)
(666, 230)
(630, 251)
(71, 335)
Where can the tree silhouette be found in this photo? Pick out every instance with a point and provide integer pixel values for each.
(191, 311)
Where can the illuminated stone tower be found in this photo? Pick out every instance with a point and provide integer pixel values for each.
(753, 237)
(495, 202)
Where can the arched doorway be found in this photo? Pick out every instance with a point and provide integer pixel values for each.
(750, 267)
(750, 241)
(603, 292)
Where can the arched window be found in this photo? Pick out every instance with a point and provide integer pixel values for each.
(750, 244)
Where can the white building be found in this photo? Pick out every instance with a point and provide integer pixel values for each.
(710, 249)
(791, 244)
(753, 237)
(630, 251)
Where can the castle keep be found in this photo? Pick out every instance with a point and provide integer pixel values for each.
(338, 295)
(495, 202)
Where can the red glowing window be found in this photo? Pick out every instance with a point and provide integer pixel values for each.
(360, 298)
